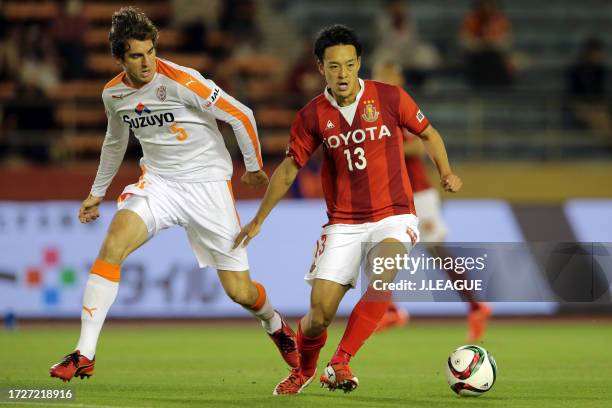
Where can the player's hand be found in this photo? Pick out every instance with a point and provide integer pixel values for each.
(89, 209)
(255, 178)
(248, 231)
(451, 183)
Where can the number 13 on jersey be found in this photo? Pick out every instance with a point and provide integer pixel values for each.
(356, 159)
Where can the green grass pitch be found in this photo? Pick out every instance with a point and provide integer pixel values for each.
(541, 364)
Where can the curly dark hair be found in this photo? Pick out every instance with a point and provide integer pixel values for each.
(130, 23)
(336, 34)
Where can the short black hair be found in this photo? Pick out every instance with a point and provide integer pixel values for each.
(336, 34)
(130, 23)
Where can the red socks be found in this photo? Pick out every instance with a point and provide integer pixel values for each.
(309, 348)
(363, 321)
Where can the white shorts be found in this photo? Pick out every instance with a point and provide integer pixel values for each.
(206, 211)
(431, 224)
(339, 251)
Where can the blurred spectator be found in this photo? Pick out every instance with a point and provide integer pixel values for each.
(305, 81)
(398, 41)
(239, 19)
(196, 19)
(586, 88)
(68, 32)
(9, 53)
(38, 64)
(27, 116)
(389, 73)
(485, 39)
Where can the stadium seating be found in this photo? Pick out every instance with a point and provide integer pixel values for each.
(546, 38)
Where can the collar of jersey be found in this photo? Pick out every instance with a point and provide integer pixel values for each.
(333, 102)
(132, 89)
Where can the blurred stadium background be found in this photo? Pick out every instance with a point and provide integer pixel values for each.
(524, 109)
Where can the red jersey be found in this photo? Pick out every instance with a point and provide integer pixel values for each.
(417, 172)
(363, 175)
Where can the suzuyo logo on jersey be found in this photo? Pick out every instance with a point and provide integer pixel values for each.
(146, 118)
(357, 136)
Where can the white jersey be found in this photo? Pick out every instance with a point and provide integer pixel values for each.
(174, 118)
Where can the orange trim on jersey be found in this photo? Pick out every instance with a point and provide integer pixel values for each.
(109, 271)
(230, 109)
(261, 297)
(229, 185)
(183, 78)
(203, 91)
(115, 81)
(141, 181)
(123, 197)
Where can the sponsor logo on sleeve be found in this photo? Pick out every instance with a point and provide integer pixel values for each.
(213, 97)
(420, 116)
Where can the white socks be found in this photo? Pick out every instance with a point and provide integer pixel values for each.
(270, 319)
(100, 293)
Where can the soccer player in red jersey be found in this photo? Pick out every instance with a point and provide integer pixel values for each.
(432, 228)
(368, 196)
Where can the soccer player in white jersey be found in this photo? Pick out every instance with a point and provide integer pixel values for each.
(172, 110)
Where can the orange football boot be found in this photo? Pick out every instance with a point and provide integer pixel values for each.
(477, 322)
(294, 383)
(393, 317)
(73, 365)
(338, 376)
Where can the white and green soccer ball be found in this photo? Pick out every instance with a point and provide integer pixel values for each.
(471, 371)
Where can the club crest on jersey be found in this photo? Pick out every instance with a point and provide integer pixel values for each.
(370, 114)
(141, 108)
(161, 93)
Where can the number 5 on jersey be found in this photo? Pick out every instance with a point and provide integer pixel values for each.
(357, 159)
(178, 131)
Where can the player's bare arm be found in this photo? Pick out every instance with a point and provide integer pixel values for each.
(434, 146)
(89, 209)
(255, 179)
(281, 180)
(413, 147)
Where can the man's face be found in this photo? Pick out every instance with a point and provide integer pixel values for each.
(139, 62)
(340, 67)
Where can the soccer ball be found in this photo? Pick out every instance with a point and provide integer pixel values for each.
(471, 371)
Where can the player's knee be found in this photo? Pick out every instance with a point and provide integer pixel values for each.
(114, 249)
(320, 319)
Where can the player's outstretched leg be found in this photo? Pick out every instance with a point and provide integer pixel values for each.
(312, 335)
(479, 313)
(478, 317)
(363, 321)
(393, 317)
(252, 296)
(126, 233)
(301, 376)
